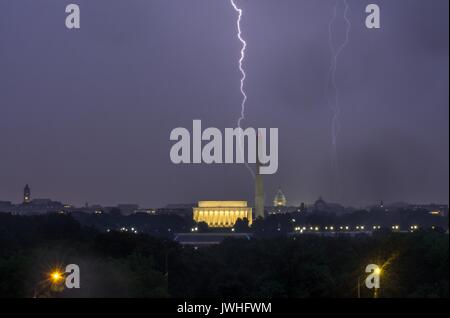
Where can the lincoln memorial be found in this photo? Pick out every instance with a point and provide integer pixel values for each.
(222, 213)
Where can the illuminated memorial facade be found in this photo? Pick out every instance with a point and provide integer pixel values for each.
(222, 213)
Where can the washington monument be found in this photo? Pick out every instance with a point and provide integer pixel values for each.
(259, 185)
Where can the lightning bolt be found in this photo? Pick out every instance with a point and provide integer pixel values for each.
(243, 75)
(334, 104)
(241, 62)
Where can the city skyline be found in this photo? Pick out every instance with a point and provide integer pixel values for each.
(278, 199)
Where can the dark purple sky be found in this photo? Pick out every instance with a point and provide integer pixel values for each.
(86, 115)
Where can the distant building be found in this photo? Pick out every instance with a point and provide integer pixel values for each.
(271, 210)
(280, 199)
(434, 209)
(182, 210)
(127, 209)
(146, 211)
(26, 194)
(280, 205)
(39, 206)
(222, 214)
(47, 204)
(6, 206)
(321, 206)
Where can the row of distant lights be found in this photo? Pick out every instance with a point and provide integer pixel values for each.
(297, 228)
(126, 230)
(347, 228)
(330, 228)
(412, 227)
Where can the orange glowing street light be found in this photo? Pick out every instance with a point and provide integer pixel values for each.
(56, 277)
(378, 271)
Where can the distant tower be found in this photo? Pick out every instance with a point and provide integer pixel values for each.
(302, 207)
(26, 194)
(280, 199)
(259, 185)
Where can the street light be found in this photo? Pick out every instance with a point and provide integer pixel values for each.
(56, 277)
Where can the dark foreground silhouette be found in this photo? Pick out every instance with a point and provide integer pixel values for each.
(138, 265)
